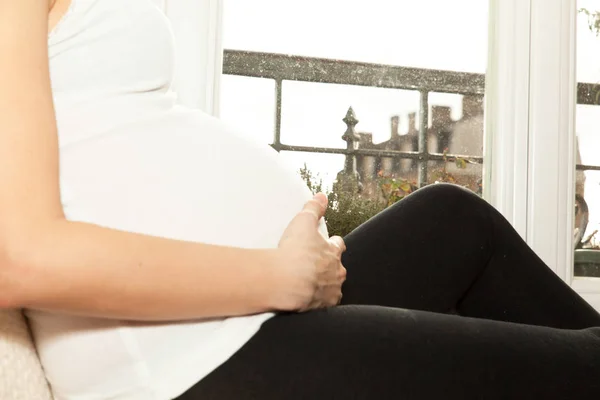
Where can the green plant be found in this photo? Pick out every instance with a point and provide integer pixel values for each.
(347, 207)
(593, 19)
(394, 189)
(442, 174)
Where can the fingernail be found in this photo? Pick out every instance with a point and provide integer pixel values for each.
(321, 199)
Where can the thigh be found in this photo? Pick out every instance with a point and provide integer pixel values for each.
(367, 352)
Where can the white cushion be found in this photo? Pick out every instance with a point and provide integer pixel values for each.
(21, 375)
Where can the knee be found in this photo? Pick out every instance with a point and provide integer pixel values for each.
(446, 192)
(449, 199)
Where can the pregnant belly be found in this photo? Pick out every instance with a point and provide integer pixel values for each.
(182, 175)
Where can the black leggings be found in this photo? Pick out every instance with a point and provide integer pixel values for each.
(520, 332)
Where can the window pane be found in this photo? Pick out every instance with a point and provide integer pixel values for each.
(447, 35)
(349, 80)
(456, 124)
(587, 208)
(312, 113)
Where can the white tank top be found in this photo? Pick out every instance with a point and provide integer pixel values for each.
(132, 160)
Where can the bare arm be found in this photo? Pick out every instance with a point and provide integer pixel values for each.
(47, 262)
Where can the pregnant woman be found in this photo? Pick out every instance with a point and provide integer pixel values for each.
(159, 255)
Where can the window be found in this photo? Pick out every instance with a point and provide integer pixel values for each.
(328, 56)
(374, 89)
(560, 129)
(587, 182)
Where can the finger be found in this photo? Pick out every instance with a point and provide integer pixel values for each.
(343, 273)
(315, 207)
(322, 199)
(339, 242)
(339, 301)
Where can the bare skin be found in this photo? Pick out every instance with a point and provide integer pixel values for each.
(58, 9)
(50, 263)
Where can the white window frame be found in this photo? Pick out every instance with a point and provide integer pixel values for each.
(552, 134)
(507, 110)
(197, 26)
(523, 124)
(531, 105)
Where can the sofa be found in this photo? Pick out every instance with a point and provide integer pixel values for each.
(21, 374)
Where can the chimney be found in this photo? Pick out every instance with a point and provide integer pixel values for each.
(440, 117)
(395, 128)
(412, 123)
(472, 105)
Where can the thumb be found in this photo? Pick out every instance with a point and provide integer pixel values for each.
(322, 199)
(316, 206)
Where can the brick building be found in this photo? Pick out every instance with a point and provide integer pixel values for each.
(463, 137)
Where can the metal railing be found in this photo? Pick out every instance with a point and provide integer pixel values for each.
(280, 67)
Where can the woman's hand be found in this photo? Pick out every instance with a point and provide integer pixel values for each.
(313, 263)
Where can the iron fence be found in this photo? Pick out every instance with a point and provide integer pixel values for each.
(281, 67)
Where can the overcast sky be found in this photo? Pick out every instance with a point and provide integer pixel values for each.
(440, 34)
